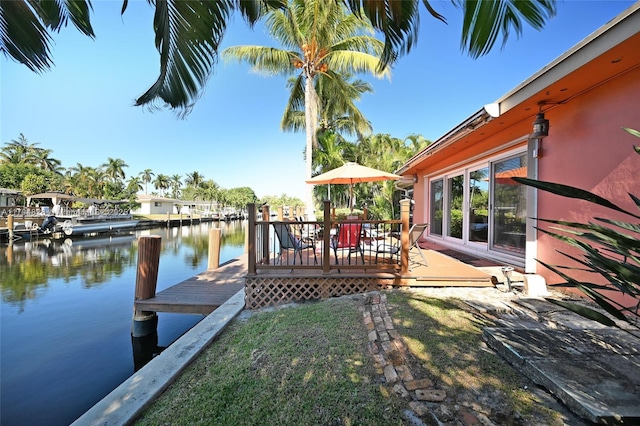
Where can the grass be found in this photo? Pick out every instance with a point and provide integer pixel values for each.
(310, 365)
(445, 338)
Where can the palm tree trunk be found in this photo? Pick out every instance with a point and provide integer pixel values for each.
(311, 118)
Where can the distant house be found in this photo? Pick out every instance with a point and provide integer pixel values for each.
(8, 197)
(153, 204)
(463, 180)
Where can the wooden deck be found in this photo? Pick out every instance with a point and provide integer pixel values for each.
(203, 293)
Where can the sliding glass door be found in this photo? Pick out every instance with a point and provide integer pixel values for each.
(509, 205)
(455, 200)
(478, 217)
(436, 207)
(481, 205)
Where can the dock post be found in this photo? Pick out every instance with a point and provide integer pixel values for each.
(214, 248)
(10, 226)
(145, 322)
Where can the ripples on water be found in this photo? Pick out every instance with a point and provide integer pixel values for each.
(66, 315)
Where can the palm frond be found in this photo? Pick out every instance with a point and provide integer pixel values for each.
(263, 60)
(188, 34)
(397, 20)
(485, 21)
(24, 28)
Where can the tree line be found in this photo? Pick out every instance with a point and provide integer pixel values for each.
(30, 169)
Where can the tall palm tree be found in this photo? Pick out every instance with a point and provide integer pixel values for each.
(321, 38)
(114, 168)
(147, 176)
(189, 33)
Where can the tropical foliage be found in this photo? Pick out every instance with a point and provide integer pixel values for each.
(188, 33)
(379, 151)
(20, 170)
(609, 249)
(323, 45)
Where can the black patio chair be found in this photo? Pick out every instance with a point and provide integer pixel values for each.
(288, 241)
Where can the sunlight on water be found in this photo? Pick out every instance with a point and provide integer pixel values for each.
(66, 315)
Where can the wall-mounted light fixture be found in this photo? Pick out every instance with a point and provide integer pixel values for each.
(415, 178)
(540, 126)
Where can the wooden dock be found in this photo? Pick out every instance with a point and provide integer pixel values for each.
(200, 294)
(205, 292)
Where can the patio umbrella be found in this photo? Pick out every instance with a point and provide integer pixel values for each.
(351, 173)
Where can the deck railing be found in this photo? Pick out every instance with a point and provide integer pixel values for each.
(383, 245)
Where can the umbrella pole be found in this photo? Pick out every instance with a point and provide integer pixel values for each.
(351, 197)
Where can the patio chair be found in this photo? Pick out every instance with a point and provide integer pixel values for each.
(289, 242)
(348, 238)
(415, 233)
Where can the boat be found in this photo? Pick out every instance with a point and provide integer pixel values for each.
(69, 227)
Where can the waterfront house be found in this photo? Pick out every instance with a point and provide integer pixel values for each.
(153, 204)
(579, 102)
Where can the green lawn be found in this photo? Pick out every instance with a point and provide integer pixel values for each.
(310, 365)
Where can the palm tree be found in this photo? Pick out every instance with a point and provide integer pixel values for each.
(337, 96)
(19, 151)
(114, 168)
(175, 182)
(134, 184)
(321, 38)
(42, 159)
(189, 33)
(194, 179)
(147, 176)
(161, 182)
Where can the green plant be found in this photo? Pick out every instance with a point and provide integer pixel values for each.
(610, 248)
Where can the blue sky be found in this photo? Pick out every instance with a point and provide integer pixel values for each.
(83, 108)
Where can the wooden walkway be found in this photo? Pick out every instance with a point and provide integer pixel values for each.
(200, 294)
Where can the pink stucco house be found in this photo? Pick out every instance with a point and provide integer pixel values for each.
(462, 181)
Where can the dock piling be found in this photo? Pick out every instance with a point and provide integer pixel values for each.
(214, 248)
(145, 322)
(10, 226)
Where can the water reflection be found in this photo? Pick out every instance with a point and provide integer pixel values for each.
(66, 311)
(28, 267)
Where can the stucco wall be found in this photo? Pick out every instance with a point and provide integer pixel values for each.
(587, 148)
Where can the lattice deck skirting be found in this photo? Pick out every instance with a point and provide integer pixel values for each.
(269, 291)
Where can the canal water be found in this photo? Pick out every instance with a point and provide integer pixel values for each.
(66, 311)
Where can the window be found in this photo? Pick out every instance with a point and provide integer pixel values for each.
(157, 204)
